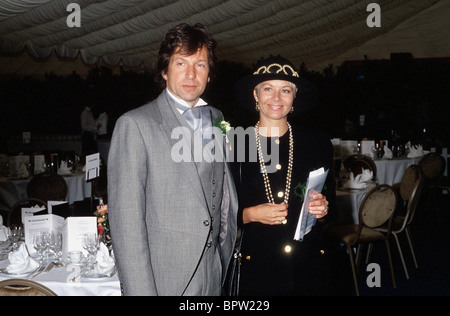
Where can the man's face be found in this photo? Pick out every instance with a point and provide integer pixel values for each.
(188, 75)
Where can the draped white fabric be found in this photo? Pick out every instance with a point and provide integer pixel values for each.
(316, 32)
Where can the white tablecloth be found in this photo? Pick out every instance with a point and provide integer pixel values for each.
(58, 280)
(390, 171)
(347, 202)
(12, 191)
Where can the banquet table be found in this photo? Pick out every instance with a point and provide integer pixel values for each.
(61, 281)
(390, 171)
(13, 190)
(348, 201)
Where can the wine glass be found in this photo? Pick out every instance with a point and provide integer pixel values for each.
(90, 242)
(55, 244)
(46, 240)
(39, 244)
(14, 233)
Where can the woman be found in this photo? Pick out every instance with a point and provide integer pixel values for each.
(270, 202)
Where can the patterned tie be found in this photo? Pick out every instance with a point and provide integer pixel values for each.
(199, 119)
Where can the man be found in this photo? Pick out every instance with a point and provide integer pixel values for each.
(88, 131)
(173, 223)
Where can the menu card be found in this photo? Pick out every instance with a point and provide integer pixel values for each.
(92, 166)
(60, 208)
(32, 211)
(34, 225)
(73, 230)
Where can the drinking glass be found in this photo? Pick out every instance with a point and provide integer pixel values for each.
(91, 243)
(55, 244)
(39, 244)
(14, 233)
(46, 240)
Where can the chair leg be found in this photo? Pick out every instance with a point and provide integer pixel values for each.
(352, 263)
(408, 235)
(358, 256)
(401, 255)
(369, 253)
(388, 248)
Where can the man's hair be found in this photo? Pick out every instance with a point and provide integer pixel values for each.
(189, 38)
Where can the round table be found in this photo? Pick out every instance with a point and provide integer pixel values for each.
(390, 171)
(12, 191)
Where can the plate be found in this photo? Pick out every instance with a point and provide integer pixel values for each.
(5, 272)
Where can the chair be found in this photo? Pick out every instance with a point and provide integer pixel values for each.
(22, 287)
(47, 187)
(4, 214)
(432, 166)
(406, 185)
(376, 209)
(357, 162)
(402, 223)
(408, 182)
(15, 212)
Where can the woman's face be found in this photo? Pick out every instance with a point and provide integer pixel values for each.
(275, 98)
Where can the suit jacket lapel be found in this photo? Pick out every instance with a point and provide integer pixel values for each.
(171, 119)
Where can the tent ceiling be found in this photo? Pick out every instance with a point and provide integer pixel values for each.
(316, 32)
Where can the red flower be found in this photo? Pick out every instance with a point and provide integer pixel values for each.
(100, 229)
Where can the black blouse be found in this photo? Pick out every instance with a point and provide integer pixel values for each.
(272, 260)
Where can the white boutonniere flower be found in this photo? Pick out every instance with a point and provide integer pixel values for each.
(225, 127)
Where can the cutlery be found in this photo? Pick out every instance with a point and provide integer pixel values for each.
(49, 267)
(36, 273)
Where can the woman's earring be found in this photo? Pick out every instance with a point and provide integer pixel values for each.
(257, 106)
(292, 109)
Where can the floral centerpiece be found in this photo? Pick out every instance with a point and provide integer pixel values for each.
(103, 222)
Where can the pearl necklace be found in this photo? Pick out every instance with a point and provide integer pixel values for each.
(264, 170)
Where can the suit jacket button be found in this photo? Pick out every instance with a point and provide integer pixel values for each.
(209, 244)
(206, 222)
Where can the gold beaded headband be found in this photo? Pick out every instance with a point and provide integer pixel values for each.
(284, 69)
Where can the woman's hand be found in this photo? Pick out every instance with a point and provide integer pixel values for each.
(318, 206)
(267, 213)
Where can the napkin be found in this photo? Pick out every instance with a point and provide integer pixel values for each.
(415, 151)
(366, 175)
(64, 169)
(22, 172)
(3, 233)
(355, 182)
(21, 262)
(105, 263)
(387, 153)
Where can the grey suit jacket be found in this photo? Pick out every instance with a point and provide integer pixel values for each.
(157, 208)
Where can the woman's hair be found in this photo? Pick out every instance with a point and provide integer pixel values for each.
(189, 39)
